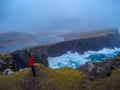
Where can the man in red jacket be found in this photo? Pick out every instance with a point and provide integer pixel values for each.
(31, 64)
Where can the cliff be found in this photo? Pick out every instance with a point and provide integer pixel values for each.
(39, 54)
(13, 38)
(89, 41)
(96, 41)
(89, 34)
(7, 64)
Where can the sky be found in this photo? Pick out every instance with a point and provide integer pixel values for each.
(58, 16)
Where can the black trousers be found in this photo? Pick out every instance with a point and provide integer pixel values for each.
(33, 71)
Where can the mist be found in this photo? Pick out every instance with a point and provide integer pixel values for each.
(58, 16)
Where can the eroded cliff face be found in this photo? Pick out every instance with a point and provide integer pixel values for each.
(38, 53)
(41, 53)
(85, 44)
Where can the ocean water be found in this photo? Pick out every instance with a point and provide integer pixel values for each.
(75, 59)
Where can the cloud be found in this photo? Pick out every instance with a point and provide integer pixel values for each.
(55, 15)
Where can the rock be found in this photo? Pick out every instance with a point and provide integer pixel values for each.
(90, 66)
(39, 54)
(23, 69)
(7, 64)
(2, 65)
(100, 69)
(103, 72)
(8, 71)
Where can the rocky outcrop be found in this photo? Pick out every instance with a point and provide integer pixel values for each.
(7, 64)
(39, 54)
(100, 69)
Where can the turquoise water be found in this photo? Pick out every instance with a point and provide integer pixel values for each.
(75, 59)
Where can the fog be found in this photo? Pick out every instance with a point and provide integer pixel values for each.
(58, 16)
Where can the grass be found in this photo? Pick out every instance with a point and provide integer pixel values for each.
(117, 57)
(109, 83)
(58, 79)
(47, 79)
(11, 82)
(4, 55)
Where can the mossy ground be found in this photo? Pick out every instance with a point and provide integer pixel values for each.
(5, 55)
(58, 79)
(109, 83)
(11, 82)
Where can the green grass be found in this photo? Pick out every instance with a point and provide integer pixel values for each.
(109, 83)
(4, 55)
(117, 57)
(11, 82)
(47, 79)
(58, 79)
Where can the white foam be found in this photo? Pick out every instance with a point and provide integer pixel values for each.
(75, 59)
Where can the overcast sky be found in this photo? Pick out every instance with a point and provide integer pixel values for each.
(56, 16)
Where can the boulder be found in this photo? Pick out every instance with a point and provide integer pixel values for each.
(39, 54)
(7, 64)
(7, 71)
(100, 69)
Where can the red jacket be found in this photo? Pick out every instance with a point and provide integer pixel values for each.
(30, 61)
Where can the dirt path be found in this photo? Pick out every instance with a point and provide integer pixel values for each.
(29, 82)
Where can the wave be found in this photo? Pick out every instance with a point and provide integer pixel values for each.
(75, 59)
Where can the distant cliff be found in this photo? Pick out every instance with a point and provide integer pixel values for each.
(89, 41)
(107, 39)
(96, 33)
(12, 38)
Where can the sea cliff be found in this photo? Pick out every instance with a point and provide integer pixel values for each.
(96, 41)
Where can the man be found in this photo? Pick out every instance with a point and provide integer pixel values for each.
(31, 64)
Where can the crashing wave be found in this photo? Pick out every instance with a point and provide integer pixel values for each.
(75, 59)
